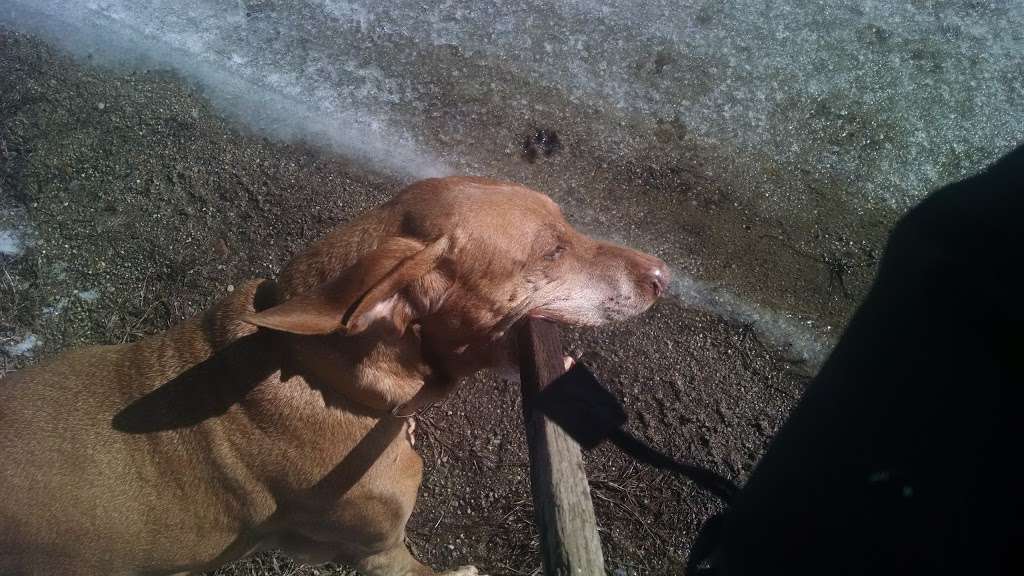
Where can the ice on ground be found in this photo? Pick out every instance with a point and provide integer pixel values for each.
(23, 347)
(56, 308)
(799, 339)
(890, 99)
(16, 235)
(231, 57)
(10, 244)
(87, 295)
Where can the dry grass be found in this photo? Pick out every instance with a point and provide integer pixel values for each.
(278, 564)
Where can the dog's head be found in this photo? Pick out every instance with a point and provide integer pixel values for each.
(456, 263)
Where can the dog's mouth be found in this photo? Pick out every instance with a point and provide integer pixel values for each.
(512, 323)
(554, 316)
(562, 318)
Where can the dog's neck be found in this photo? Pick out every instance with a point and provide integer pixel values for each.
(374, 373)
(367, 373)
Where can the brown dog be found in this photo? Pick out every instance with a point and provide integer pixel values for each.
(273, 420)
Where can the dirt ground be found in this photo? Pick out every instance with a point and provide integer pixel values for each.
(139, 205)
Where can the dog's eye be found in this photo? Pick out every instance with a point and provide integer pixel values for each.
(555, 254)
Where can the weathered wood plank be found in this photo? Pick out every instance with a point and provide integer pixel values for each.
(561, 494)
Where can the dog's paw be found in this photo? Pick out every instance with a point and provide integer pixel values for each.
(463, 571)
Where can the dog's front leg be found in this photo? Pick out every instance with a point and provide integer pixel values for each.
(398, 561)
(378, 514)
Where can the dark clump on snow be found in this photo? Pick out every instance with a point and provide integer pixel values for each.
(543, 143)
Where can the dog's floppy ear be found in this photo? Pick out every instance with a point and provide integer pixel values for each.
(368, 291)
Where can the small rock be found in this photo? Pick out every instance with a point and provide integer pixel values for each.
(220, 248)
(231, 287)
(100, 105)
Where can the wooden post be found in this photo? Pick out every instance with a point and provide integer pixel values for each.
(561, 494)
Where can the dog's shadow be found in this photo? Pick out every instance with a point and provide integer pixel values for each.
(206, 390)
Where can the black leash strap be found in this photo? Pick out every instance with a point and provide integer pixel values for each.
(588, 412)
(709, 480)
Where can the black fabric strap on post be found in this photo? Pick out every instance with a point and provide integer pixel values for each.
(588, 412)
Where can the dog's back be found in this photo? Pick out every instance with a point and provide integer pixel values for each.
(82, 436)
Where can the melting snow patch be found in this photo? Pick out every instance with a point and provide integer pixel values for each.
(798, 338)
(57, 308)
(10, 244)
(88, 295)
(888, 99)
(15, 233)
(252, 72)
(23, 348)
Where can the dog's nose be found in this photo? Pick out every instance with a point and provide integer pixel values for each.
(659, 277)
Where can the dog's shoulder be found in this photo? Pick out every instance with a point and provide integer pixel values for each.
(222, 323)
(202, 336)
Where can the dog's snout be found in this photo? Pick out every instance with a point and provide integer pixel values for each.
(649, 275)
(658, 276)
